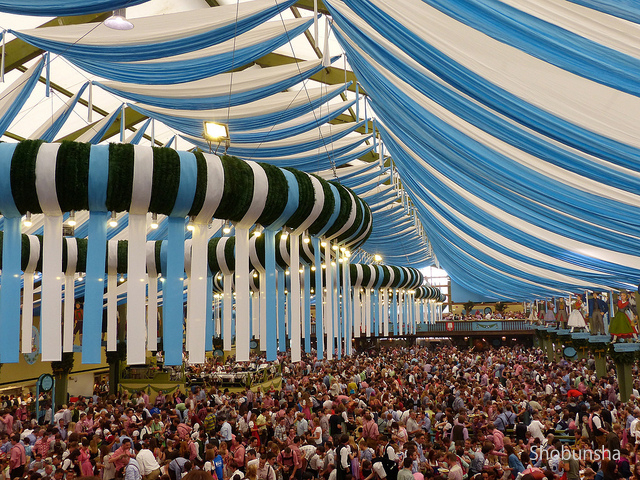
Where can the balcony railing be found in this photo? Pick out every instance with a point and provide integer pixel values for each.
(478, 327)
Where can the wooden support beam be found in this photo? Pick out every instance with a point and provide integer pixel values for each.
(308, 5)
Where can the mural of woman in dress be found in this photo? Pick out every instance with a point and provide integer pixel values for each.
(576, 319)
(622, 323)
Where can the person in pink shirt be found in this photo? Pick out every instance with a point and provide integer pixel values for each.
(497, 437)
(119, 456)
(18, 457)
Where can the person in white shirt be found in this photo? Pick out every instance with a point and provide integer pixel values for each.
(535, 428)
(149, 467)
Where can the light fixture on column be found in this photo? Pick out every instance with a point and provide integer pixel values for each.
(154, 221)
(27, 220)
(191, 226)
(72, 218)
(118, 21)
(305, 237)
(113, 221)
(257, 231)
(377, 258)
(227, 228)
(285, 233)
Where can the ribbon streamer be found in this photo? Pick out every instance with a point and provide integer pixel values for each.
(318, 297)
(27, 296)
(152, 298)
(112, 296)
(51, 292)
(136, 262)
(69, 295)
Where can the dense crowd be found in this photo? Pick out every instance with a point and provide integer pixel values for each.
(395, 414)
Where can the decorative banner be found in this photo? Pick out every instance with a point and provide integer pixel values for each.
(294, 296)
(307, 308)
(27, 295)
(136, 262)
(69, 294)
(51, 292)
(329, 300)
(152, 298)
(11, 255)
(318, 296)
(96, 254)
(112, 296)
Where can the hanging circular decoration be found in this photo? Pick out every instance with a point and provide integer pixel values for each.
(570, 352)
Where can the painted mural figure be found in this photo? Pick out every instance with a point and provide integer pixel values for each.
(561, 316)
(598, 308)
(576, 319)
(622, 323)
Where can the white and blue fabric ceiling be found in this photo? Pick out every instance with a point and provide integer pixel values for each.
(514, 127)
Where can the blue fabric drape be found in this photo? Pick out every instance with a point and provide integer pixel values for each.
(7, 116)
(195, 126)
(486, 93)
(58, 123)
(63, 8)
(626, 9)
(221, 101)
(154, 49)
(171, 71)
(279, 132)
(546, 41)
(140, 133)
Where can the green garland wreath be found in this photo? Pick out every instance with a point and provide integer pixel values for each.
(201, 185)
(306, 194)
(277, 197)
(238, 189)
(345, 210)
(327, 209)
(166, 180)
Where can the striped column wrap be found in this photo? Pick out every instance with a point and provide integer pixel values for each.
(380, 280)
(256, 243)
(258, 202)
(254, 282)
(364, 227)
(368, 286)
(318, 204)
(197, 309)
(152, 297)
(307, 253)
(389, 298)
(27, 296)
(136, 263)
(51, 292)
(112, 296)
(189, 286)
(357, 310)
(227, 290)
(329, 303)
(69, 296)
(295, 297)
(11, 257)
(282, 250)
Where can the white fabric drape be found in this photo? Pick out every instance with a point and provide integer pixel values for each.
(153, 29)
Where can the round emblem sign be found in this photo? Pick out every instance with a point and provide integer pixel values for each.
(450, 326)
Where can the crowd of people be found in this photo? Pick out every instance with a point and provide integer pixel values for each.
(403, 413)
